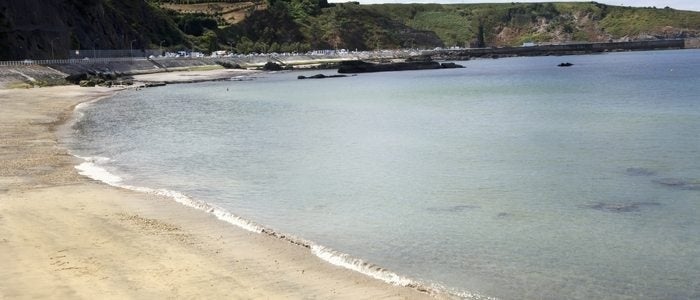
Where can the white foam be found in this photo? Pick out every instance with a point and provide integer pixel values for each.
(358, 265)
(78, 111)
(91, 170)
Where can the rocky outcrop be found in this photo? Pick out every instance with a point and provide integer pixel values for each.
(358, 66)
(320, 76)
(272, 66)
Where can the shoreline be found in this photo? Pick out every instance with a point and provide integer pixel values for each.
(65, 235)
(178, 77)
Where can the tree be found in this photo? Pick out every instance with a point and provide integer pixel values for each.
(481, 40)
(211, 41)
(245, 45)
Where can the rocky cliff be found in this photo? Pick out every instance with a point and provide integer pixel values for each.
(32, 29)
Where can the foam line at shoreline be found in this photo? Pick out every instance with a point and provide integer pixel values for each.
(92, 168)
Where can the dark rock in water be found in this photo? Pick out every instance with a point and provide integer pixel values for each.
(272, 66)
(671, 181)
(640, 172)
(566, 64)
(451, 65)
(320, 76)
(456, 208)
(502, 214)
(683, 184)
(358, 66)
(621, 207)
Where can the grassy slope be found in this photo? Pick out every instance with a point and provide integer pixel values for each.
(514, 23)
(633, 21)
(353, 26)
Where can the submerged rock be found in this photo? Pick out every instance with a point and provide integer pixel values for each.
(621, 207)
(640, 172)
(679, 183)
(456, 208)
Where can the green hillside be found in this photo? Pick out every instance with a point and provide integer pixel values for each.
(300, 25)
(386, 26)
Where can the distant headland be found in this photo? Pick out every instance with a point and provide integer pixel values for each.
(65, 29)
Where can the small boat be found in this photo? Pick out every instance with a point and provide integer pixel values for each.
(566, 64)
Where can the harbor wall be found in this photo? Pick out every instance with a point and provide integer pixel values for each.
(562, 49)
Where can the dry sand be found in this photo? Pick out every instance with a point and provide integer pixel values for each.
(65, 236)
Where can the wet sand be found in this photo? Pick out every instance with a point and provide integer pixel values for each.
(65, 236)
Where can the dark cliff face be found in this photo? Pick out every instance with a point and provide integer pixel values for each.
(30, 29)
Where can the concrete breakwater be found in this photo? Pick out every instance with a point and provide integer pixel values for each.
(563, 49)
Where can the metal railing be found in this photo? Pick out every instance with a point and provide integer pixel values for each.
(102, 60)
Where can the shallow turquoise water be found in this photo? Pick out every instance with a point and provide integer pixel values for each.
(510, 178)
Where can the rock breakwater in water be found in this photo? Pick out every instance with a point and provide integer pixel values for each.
(359, 66)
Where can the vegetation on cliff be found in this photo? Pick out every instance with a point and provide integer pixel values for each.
(300, 25)
(45, 29)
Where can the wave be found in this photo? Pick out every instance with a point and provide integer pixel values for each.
(78, 113)
(91, 169)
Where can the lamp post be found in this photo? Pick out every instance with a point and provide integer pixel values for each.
(161, 47)
(131, 48)
(52, 56)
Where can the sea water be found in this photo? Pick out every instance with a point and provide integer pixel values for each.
(510, 178)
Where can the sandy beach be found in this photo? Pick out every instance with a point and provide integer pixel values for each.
(192, 76)
(65, 236)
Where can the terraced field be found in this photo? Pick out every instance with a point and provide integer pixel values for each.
(224, 12)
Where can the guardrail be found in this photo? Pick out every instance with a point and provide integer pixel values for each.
(27, 62)
(243, 58)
